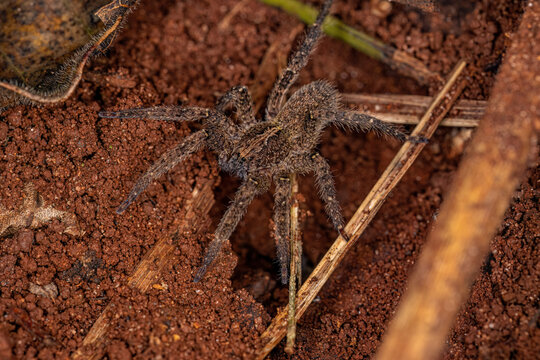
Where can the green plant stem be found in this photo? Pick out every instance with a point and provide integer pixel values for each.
(332, 26)
(357, 39)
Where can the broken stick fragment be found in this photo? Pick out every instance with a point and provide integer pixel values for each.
(33, 214)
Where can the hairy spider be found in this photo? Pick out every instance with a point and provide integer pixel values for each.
(262, 151)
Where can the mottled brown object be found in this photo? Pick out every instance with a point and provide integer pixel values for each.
(44, 45)
(469, 217)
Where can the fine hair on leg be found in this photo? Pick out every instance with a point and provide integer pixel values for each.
(296, 63)
(327, 191)
(364, 122)
(236, 210)
(167, 113)
(167, 161)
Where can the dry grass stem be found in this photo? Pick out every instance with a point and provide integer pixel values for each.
(296, 265)
(472, 212)
(407, 109)
(147, 272)
(226, 21)
(440, 105)
(428, 6)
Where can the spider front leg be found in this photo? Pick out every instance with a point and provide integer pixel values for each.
(167, 161)
(167, 113)
(296, 63)
(244, 196)
(239, 98)
(327, 192)
(282, 213)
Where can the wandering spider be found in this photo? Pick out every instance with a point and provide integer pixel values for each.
(261, 151)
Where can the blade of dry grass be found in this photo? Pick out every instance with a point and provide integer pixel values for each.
(226, 21)
(296, 265)
(471, 213)
(407, 109)
(428, 6)
(150, 266)
(440, 105)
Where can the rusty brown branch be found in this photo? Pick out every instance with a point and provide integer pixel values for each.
(367, 210)
(470, 215)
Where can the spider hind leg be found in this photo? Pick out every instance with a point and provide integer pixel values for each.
(244, 196)
(327, 192)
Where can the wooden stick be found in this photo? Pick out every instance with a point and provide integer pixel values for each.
(428, 6)
(367, 210)
(407, 109)
(148, 270)
(296, 265)
(470, 215)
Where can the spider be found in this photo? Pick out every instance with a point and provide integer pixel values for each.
(262, 151)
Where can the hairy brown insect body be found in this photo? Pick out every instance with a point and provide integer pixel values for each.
(263, 151)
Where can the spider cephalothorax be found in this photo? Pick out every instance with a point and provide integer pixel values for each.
(262, 151)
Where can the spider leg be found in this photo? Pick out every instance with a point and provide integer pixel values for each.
(169, 113)
(327, 192)
(167, 161)
(240, 99)
(228, 223)
(364, 122)
(282, 210)
(296, 63)
(221, 132)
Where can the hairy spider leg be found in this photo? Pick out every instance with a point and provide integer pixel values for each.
(167, 113)
(364, 122)
(219, 134)
(327, 192)
(236, 210)
(282, 211)
(296, 63)
(239, 98)
(170, 159)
